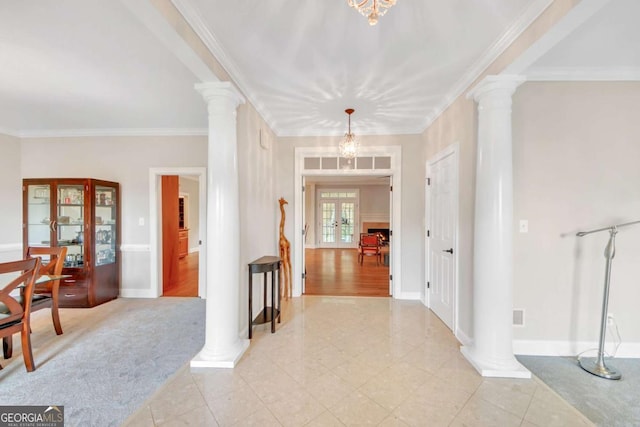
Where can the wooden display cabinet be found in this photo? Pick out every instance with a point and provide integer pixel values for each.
(83, 215)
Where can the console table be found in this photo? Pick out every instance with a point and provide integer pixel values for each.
(268, 314)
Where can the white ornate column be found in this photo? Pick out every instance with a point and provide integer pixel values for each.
(492, 350)
(223, 346)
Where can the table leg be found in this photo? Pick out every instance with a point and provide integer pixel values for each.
(273, 303)
(264, 288)
(278, 291)
(250, 303)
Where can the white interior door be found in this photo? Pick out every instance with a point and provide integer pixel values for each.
(442, 225)
(305, 231)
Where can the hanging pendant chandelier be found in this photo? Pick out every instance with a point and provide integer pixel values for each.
(349, 144)
(372, 9)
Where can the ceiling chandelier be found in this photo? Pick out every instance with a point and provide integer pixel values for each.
(349, 144)
(373, 9)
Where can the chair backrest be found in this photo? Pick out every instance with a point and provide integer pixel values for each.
(53, 265)
(17, 273)
(369, 239)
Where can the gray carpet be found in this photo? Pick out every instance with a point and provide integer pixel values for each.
(605, 402)
(109, 360)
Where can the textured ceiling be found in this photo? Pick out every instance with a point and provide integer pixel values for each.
(304, 63)
(93, 67)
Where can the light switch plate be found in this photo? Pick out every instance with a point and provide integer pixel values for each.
(524, 226)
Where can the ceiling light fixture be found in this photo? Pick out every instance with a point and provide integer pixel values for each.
(349, 144)
(372, 9)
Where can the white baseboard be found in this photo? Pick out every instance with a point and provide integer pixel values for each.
(408, 296)
(137, 293)
(463, 338)
(196, 249)
(572, 348)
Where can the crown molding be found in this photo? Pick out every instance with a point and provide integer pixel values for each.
(66, 133)
(578, 74)
(194, 19)
(151, 18)
(514, 31)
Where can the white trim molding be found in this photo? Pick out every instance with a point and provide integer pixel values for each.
(572, 348)
(194, 18)
(412, 296)
(392, 151)
(137, 293)
(72, 133)
(155, 228)
(534, 10)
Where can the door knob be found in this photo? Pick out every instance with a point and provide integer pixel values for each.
(448, 250)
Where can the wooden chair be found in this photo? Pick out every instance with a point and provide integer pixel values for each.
(14, 317)
(369, 245)
(46, 294)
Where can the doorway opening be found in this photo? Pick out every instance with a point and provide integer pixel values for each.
(180, 231)
(338, 211)
(323, 162)
(192, 265)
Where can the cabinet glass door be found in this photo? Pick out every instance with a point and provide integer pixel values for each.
(105, 225)
(39, 222)
(69, 223)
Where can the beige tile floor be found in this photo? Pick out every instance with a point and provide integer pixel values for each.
(352, 362)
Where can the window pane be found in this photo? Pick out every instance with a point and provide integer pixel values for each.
(348, 220)
(329, 163)
(383, 163)
(328, 222)
(312, 162)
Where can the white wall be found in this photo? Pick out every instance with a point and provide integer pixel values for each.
(576, 167)
(458, 124)
(258, 204)
(412, 265)
(126, 160)
(11, 196)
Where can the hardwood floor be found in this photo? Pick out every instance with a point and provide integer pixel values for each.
(337, 272)
(187, 283)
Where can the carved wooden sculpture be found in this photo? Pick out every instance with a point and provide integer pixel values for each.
(285, 256)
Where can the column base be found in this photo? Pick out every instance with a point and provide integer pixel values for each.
(203, 360)
(498, 369)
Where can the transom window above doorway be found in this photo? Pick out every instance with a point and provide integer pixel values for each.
(335, 163)
(338, 195)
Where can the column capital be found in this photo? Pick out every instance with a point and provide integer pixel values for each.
(225, 92)
(504, 84)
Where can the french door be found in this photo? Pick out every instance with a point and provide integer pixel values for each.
(338, 222)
